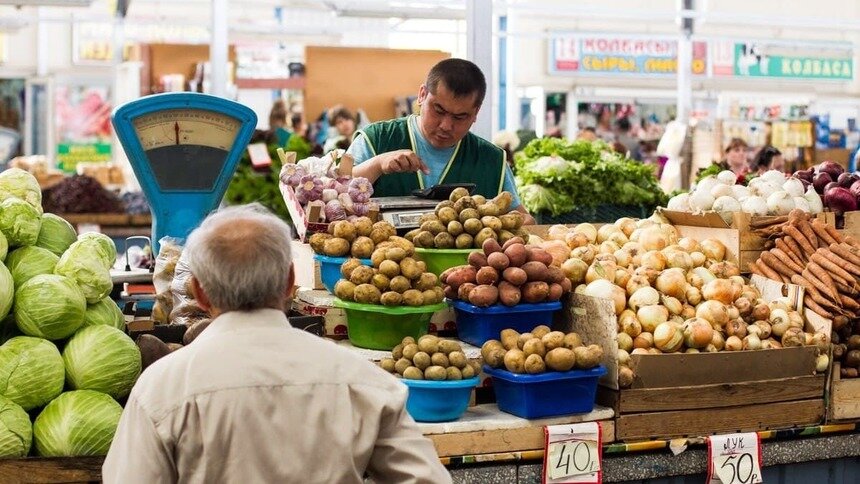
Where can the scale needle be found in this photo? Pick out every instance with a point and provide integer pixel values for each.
(176, 128)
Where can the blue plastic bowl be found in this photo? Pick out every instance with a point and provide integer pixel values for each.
(547, 394)
(438, 401)
(478, 325)
(330, 269)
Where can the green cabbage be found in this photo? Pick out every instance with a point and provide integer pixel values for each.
(103, 359)
(102, 244)
(20, 222)
(31, 371)
(18, 183)
(83, 264)
(56, 234)
(104, 312)
(4, 247)
(16, 431)
(7, 291)
(49, 306)
(78, 423)
(26, 262)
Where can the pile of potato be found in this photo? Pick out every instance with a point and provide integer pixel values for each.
(357, 239)
(539, 351)
(508, 274)
(464, 221)
(430, 358)
(396, 279)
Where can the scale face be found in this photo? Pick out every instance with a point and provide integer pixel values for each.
(184, 148)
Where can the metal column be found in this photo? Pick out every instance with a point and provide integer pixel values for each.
(479, 49)
(218, 48)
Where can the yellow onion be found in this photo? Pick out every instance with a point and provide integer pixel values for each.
(778, 316)
(796, 319)
(588, 230)
(679, 259)
(692, 351)
(719, 290)
(770, 344)
(646, 222)
(821, 341)
(652, 316)
(651, 274)
(744, 306)
(601, 288)
(576, 239)
(635, 283)
(700, 276)
(688, 312)
(580, 289)
(672, 248)
(760, 312)
(557, 232)
(670, 232)
(689, 244)
(677, 319)
(693, 295)
(698, 258)
(608, 247)
(622, 276)
(714, 312)
(711, 349)
(622, 257)
(626, 224)
(822, 362)
(653, 238)
(765, 328)
(585, 253)
(636, 351)
(604, 257)
(751, 342)
(733, 312)
(619, 238)
(733, 343)
(625, 342)
(672, 304)
(698, 333)
(629, 324)
(751, 293)
(753, 329)
(600, 270)
(633, 247)
(606, 231)
(718, 341)
(808, 339)
(780, 303)
(623, 353)
(713, 249)
(736, 327)
(737, 287)
(725, 269)
(574, 269)
(644, 340)
(791, 337)
(668, 337)
(653, 259)
(672, 282)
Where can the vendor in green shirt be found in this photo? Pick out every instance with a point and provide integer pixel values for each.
(436, 147)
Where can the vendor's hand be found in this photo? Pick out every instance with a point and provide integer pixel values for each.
(401, 161)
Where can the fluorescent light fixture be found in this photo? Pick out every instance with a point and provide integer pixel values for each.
(48, 3)
(12, 24)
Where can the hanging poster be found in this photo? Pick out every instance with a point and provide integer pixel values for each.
(755, 59)
(82, 120)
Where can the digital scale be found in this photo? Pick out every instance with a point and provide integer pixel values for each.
(184, 148)
(404, 213)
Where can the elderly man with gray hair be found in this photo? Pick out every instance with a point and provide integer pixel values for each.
(253, 400)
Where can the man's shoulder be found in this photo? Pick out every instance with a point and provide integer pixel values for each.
(481, 143)
(385, 126)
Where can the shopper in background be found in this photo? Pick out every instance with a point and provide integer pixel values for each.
(436, 147)
(769, 158)
(604, 129)
(344, 123)
(736, 158)
(278, 122)
(622, 136)
(587, 133)
(253, 399)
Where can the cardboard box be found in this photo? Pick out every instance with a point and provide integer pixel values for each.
(307, 268)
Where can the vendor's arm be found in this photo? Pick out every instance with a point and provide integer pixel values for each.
(372, 167)
(510, 185)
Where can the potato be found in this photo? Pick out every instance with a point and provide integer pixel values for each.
(560, 359)
(426, 281)
(344, 230)
(407, 340)
(535, 271)
(387, 364)
(534, 364)
(477, 260)
(464, 241)
(571, 341)
(509, 294)
(421, 360)
(554, 275)
(335, 247)
(434, 227)
(488, 209)
(516, 254)
(484, 295)
(453, 373)
(464, 290)
(361, 275)
(345, 290)
(378, 236)
(483, 235)
(535, 292)
(476, 365)
(413, 373)
(404, 244)
(428, 343)
(428, 217)
(409, 269)
(498, 261)
(492, 223)
(401, 365)
(489, 345)
(423, 239)
(534, 347)
(151, 349)
(447, 215)
(422, 266)
(521, 341)
(466, 203)
(588, 356)
(367, 294)
(317, 242)
(457, 194)
(539, 255)
(430, 297)
(347, 267)
(391, 298)
(487, 275)
(553, 340)
(510, 338)
(455, 228)
(362, 247)
(378, 256)
(400, 284)
(515, 276)
(458, 359)
(440, 359)
(469, 214)
(444, 204)
(444, 240)
(381, 281)
(386, 227)
(503, 201)
(515, 361)
(397, 352)
(389, 269)
(440, 293)
(467, 372)
(395, 254)
(436, 373)
(451, 292)
(490, 246)
(512, 221)
(540, 331)
(555, 292)
(410, 236)
(413, 297)
(515, 240)
(363, 226)
(409, 350)
(462, 275)
(472, 226)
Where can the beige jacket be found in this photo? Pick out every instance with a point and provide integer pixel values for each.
(253, 400)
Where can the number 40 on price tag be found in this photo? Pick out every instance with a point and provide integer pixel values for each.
(572, 454)
(734, 459)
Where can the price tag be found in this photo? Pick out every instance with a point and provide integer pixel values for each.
(734, 459)
(259, 154)
(572, 454)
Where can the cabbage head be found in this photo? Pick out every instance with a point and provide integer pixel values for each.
(102, 244)
(83, 264)
(49, 306)
(105, 312)
(19, 183)
(7, 291)
(103, 359)
(16, 431)
(31, 371)
(78, 423)
(4, 247)
(27, 262)
(56, 234)
(20, 222)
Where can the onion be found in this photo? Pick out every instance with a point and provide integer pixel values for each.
(714, 312)
(608, 247)
(629, 324)
(653, 260)
(680, 203)
(765, 329)
(753, 329)
(815, 203)
(698, 258)
(600, 270)
(580, 289)
(763, 188)
(625, 344)
(706, 184)
(698, 333)
(672, 282)
(703, 274)
(725, 270)
(622, 277)
(651, 238)
(574, 269)
(736, 327)
(645, 296)
(718, 341)
(840, 200)
(557, 232)
(585, 254)
(627, 225)
(673, 305)
(680, 260)
(693, 295)
(744, 306)
(733, 343)
(821, 341)
(701, 201)
(605, 231)
(791, 337)
(727, 177)
(636, 351)
(793, 187)
(752, 342)
(688, 311)
(645, 340)
(670, 232)
(589, 230)
(719, 290)
(618, 238)
(822, 363)
(622, 257)
(734, 313)
(726, 206)
(576, 239)
(635, 283)
(601, 288)
(755, 205)
(651, 316)
(668, 337)
(689, 244)
(713, 249)
(721, 190)
(651, 274)
(774, 177)
(801, 204)
(740, 191)
(779, 203)
(761, 312)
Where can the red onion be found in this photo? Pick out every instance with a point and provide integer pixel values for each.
(855, 190)
(845, 180)
(840, 200)
(804, 175)
(820, 181)
(829, 187)
(831, 168)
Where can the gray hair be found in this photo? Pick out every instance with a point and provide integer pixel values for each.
(240, 256)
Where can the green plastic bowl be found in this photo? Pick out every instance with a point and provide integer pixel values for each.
(440, 260)
(379, 327)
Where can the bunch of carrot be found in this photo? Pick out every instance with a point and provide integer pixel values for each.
(815, 256)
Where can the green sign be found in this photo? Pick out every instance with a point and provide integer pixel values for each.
(749, 63)
(70, 154)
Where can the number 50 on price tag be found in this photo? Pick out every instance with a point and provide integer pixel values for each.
(734, 459)
(572, 454)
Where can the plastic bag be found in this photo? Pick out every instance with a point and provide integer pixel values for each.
(165, 263)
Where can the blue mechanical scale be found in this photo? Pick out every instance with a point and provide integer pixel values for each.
(184, 148)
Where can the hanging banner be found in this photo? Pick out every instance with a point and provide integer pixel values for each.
(629, 55)
(82, 124)
(767, 60)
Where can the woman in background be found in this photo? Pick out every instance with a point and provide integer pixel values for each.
(736, 159)
(278, 122)
(769, 158)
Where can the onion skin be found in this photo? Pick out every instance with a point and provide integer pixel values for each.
(713, 249)
(698, 333)
(672, 283)
(733, 343)
(719, 290)
(714, 312)
(651, 317)
(644, 341)
(668, 337)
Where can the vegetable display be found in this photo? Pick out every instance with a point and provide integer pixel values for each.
(839, 190)
(358, 238)
(16, 432)
(464, 221)
(556, 176)
(81, 194)
(430, 358)
(31, 371)
(77, 423)
(539, 351)
(55, 234)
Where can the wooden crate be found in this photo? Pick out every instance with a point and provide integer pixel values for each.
(843, 404)
(851, 224)
(44, 470)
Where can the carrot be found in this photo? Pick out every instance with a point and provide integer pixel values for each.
(807, 231)
(795, 248)
(788, 261)
(801, 239)
(846, 290)
(816, 308)
(782, 245)
(768, 272)
(820, 230)
(845, 251)
(766, 222)
(849, 303)
(776, 264)
(833, 265)
(852, 242)
(754, 268)
(804, 283)
(831, 230)
(815, 274)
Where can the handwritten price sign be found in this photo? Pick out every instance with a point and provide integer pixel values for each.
(734, 459)
(572, 454)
